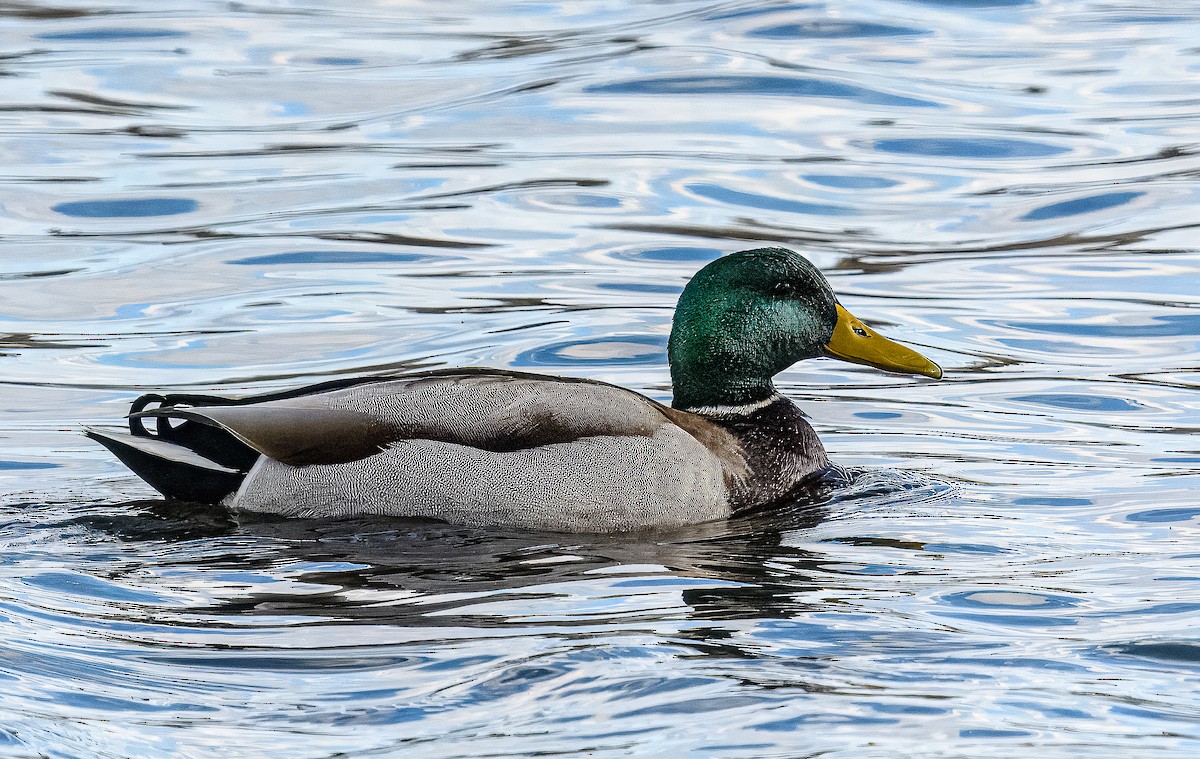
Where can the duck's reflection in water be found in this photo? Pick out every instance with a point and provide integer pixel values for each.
(422, 573)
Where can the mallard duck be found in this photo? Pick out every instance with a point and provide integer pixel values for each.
(503, 448)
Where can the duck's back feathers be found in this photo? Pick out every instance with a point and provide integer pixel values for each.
(486, 409)
(498, 411)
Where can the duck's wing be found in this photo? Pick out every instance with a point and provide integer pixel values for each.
(289, 433)
(487, 409)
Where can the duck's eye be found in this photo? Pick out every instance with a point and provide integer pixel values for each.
(783, 288)
(859, 331)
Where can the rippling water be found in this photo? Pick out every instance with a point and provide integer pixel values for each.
(244, 196)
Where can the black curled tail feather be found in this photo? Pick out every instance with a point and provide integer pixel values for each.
(212, 443)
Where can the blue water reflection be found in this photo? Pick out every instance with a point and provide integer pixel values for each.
(1165, 515)
(754, 200)
(641, 287)
(1167, 325)
(683, 254)
(114, 34)
(1178, 653)
(127, 208)
(852, 182)
(987, 148)
(624, 350)
(977, 3)
(1081, 205)
(804, 29)
(1080, 402)
(330, 257)
(762, 84)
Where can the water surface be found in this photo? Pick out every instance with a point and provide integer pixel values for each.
(237, 197)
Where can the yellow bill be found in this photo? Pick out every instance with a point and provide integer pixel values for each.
(857, 343)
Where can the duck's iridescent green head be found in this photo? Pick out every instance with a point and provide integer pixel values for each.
(748, 316)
